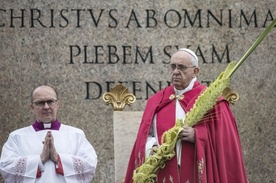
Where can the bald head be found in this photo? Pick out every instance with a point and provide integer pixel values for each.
(45, 104)
(38, 90)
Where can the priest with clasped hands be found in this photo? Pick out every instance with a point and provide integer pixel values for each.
(47, 150)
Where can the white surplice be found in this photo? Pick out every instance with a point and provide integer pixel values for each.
(20, 157)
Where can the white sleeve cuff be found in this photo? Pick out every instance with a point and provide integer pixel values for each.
(149, 144)
(41, 166)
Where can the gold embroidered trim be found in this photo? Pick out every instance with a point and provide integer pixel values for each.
(179, 97)
(200, 170)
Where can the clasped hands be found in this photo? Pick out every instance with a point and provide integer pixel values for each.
(49, 151)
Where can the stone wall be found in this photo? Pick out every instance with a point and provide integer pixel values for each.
(83, 48)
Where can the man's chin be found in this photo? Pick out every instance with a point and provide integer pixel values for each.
(176, 85)
(46, 120)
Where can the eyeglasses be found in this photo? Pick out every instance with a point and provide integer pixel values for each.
(49, 102)
(179, 67)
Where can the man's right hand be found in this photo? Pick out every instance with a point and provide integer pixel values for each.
(45, 154)
(153, 150)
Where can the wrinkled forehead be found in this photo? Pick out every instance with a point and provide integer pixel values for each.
(181, 57)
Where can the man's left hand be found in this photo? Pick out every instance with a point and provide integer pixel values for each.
(188, 134)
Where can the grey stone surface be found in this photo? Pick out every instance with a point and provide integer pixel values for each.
(35, 50)
(125, 124)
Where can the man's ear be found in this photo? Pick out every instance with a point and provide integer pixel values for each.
(196, 70)
(58, 104)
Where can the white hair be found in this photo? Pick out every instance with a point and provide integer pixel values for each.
(195, 59)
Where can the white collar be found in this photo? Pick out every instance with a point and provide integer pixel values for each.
(47, 125)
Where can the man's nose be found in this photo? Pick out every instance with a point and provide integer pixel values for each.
(176, 70)
(46, 105)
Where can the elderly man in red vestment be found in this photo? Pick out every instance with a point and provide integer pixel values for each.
(209, 152)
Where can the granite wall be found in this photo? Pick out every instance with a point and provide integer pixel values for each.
(84, 48)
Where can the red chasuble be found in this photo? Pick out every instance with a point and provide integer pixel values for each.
(216, 155)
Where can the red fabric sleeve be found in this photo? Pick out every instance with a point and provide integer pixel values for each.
(38, 173)
(221, 150)
(59, 168)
